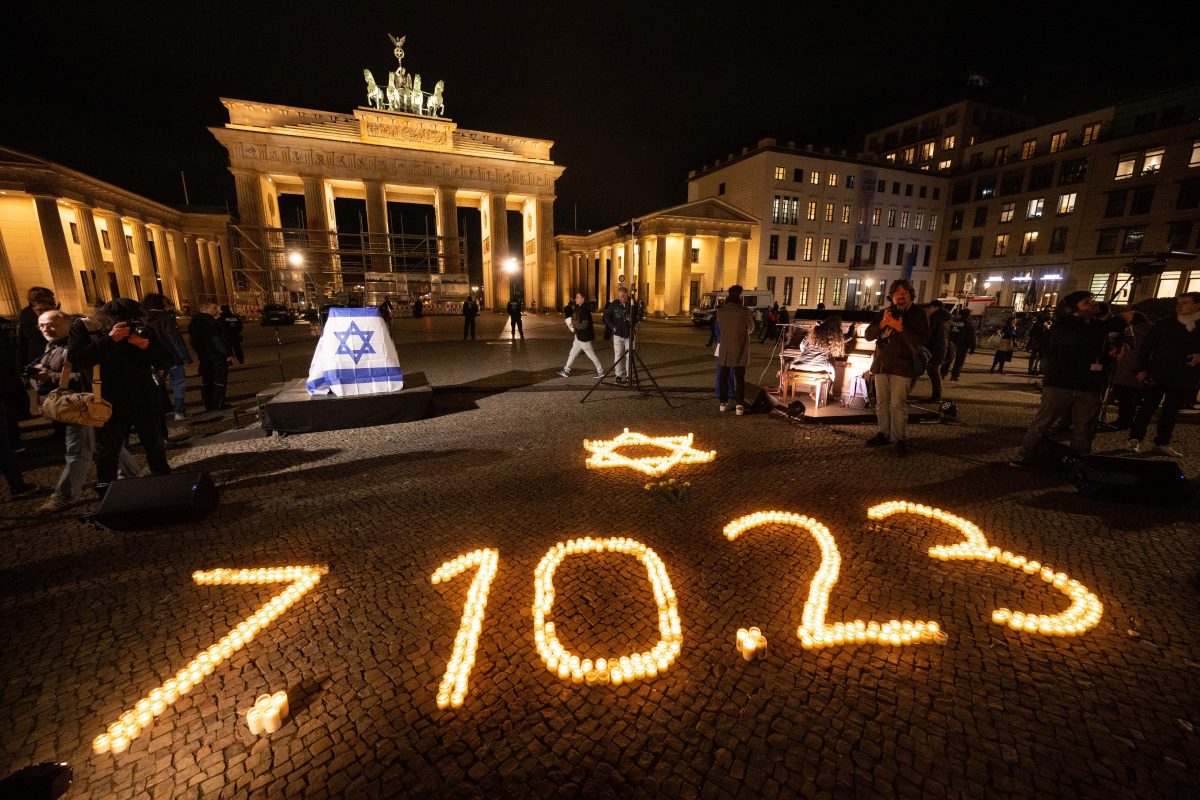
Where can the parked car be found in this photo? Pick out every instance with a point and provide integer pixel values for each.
(753, 299)
(275, 314)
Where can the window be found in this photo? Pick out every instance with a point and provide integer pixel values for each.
(951, 118)
(944, 165)
(908, 189)
(793, 210)
(791, 248)
(956, 220)
(1115, 206)
(826, 242)
(1058, 240)
(980, 216)
(1058, 141)
(1000, 155)
(1168, 284)
(1091, 133)
(777, 209)
(900, 253)
(856, 259)
(75, 239)
(773, 247)
(903, 219)
(887, 252)
(1107, 243)
(802, 298)
(808, 248)
(787, 291)
(976, 247)
(1125, 166)
(695, 255)
(1028, 243)
(891, 217)
(1012, 181)
(919, 221)
(925, 259)
(1142, 200)
(129, 243)
(872, 251)
(876, 216)
(821, 289)
(837, 291)
(1074, 170)
(927, 151)
(985, 187)
(1006, 212)
(849, 185)
(798, 175)
(1001, 248)
(890, 157)
(895, 187)
(812, 210)
(937, 193)
(105, 239)
(923, 192)
(1152, 161)
(780, 172)
(1035, 207)
(1189, 195)
(721, 188)
(1194, 159)
(1178, 236)
(829, 212)
(952, 250)
(845, 212)
(881, 186)
(842, 250)
(947, 142)
(771, 284)
(1132, 243)
(1041, 177)
(833, 179)
(814, 177)
(1028, 149)
(908, 155)
(1066, 203)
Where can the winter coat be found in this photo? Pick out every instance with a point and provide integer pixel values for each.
(1164, 356)
(894, 353)
(939, 333)
(1125, 373)
(616, 317)
(208, 338)
(737, 323)
(1072, 347)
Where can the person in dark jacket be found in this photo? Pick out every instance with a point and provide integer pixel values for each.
(1076, 356)
(580, 323)
(939, 343)
(1125, 389)
(1168, 364)
(620, 317)
(899, 333)
(208, 340)
(470, 310)
(30, 342)
(1006, 345)
(164, 323)
(962, 343)
(127, 351)
(514, 317)
(233, 325)
(1037, 337)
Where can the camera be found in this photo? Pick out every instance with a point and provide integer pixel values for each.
(141, 329)
(31, 369)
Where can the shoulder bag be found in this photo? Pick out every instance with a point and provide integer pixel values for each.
(77, 408)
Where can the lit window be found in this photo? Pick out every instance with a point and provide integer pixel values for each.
(1125, 167)
(891, 217)
(1152, 161)
(808, 247)
(1091, 133)
(1194, 161)
(933, 221)
(1001, 245)
(74, 232)
(812, 209)
(845, 212)
(814, 177)
(1132, 243)
(105, 239)
(695, 255)
(1028, 243)
(1058, 141)
(948, 142)
(773, 248)
(821, 289)
(787, 291)
(876, 216)
(944, 165)
(829, 212)
(833, 179)
(1006, 212)
(1066, 203)
(890, 157)
(849, 181)
(776, 213)
(1028, 148)
(802, 300)
(927, 151)
(793, 210)
(779, 173)
(837, 291)
(1034, 208)
(825, 244)
(1001, 155)
(903, 219)
(909, 153)
(919, 221)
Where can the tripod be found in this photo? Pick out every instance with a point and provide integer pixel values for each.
(632, 359)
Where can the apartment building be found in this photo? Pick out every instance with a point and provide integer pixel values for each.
(937, 141)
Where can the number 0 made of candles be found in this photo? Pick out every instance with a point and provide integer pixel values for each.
(814, 631)
(453, 690)
(616, 669)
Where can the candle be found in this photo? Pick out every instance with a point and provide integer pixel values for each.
(254, 720)
(270, 719)
(281, 701)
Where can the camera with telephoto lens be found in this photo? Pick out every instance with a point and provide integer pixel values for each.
(31, 369)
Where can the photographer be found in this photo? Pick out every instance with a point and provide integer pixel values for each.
(128, 352)
(208, 340)
(900, 332)
(164, 323)
(620, 317)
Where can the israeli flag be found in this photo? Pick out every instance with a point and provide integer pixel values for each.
(355, 356)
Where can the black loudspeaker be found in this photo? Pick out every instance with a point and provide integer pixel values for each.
(757, 401)
(157, 501)
(1132, 480)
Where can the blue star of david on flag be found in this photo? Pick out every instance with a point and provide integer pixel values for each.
(343, 338)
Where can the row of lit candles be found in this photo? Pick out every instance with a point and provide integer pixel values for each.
(453, 689)
(604, 452)
(267, 713)
(131, 723)
(615, 670)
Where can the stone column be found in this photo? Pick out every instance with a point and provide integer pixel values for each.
(565, 284)
(445, 211)
(322, 233)
(62, 273)
(251, 213)
(121, 264)
(685, 276)
(660, 273)
(218, 273)
(743, 246)
(495, 279)
(377, 226)
(141, 256)
(10, 304)
(93, 259)
(543, 228)
(166, 268)
(182, 258)
(201, 269)
(719, 265)
(227, 267)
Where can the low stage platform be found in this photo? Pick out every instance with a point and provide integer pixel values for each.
(289, 408)
(834, 413)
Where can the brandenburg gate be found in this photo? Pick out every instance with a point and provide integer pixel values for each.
(400, 148)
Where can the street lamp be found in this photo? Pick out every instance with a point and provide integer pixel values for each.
(510, 266)
(295, 258)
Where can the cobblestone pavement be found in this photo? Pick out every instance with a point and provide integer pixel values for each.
(93, 620)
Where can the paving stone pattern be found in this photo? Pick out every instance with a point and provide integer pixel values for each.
(95, 619)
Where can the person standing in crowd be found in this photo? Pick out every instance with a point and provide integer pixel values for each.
(80, 440)
(208, 340)
(10, 466)
(784, 318)
(514, 317)
(385, 311)
(580, 323)
(1168, 365)
(166, 325)
(1076, 354)
(899, 333)
(962, 342)
(470, 310)
(619, 317)
(770, 318)
(1125, 388)
(736, 324)
(127, 353)
(30, 344)
(418, 308)
(12, 382)
(1037, 338)
(232, 325)
(939, 344)
(1005, 346)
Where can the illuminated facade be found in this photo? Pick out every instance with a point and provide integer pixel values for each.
(91, 241)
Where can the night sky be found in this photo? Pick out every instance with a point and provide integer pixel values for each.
(634, 95)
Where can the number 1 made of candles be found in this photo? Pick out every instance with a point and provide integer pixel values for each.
(453, 690)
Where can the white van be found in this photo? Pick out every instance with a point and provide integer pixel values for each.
(710, 301)
(976, 304)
